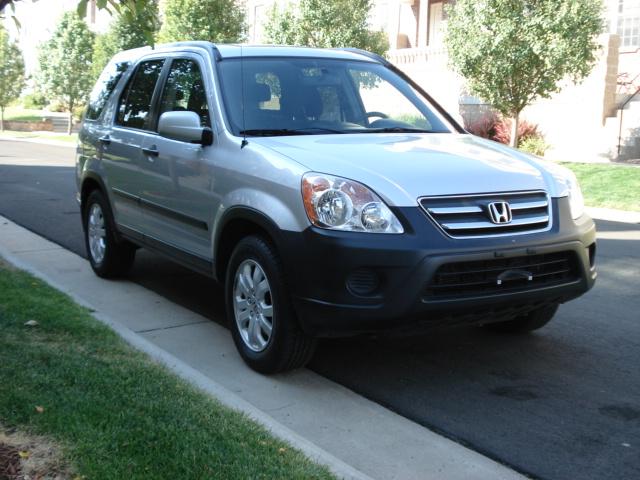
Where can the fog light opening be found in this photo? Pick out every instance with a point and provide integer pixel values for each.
(592, 255)
(363, 282)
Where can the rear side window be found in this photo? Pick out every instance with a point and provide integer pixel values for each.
(105, 85)
(184, 91)
(135, 103)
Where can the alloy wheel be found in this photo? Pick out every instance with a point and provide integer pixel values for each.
(253, 305)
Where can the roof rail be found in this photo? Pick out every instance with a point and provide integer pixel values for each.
(193, 43)
(371, 55)
(186, 43)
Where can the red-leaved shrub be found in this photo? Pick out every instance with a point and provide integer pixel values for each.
(484, 126)
(525, 130)
(496, 128)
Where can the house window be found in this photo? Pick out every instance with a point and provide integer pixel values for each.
(260, 18)
(437, 23)
(629, 23)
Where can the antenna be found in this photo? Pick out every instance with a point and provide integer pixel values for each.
(244, 125)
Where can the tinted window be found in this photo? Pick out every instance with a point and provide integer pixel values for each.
(321, 96)
(184, 91)
(105, 85)
(135, 103)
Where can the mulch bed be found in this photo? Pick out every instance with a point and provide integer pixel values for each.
(9, 462)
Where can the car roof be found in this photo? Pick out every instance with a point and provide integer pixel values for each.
(222, 51)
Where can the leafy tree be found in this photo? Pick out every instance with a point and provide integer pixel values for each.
(325, 23)
(214, 20)
(65, 63)
(11, 72)
(512, 52)
(122, 7)
(127, 30)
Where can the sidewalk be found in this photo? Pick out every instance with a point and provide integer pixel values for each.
(355, 437)
(613, 215)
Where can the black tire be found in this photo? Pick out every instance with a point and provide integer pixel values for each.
(527, 323)
(288, 347)
(118, 254)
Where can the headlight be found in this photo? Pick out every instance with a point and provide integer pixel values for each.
(576, 200)
(340, 204)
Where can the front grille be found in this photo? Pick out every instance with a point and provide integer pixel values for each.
(469, 215)
(502, 275)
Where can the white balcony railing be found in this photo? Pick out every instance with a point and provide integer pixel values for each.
(408, 56)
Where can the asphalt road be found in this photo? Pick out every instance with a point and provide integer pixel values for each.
(563, 403)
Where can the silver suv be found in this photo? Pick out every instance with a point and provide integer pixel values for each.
(327, 192)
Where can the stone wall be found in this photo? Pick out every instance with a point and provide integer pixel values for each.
(18, 126)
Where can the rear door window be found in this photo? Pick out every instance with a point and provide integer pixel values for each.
(134, 107)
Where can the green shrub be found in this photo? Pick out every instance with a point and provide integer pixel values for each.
(56, 106)
(78, 112)
(534, 144)
(415, 120)
(35, 101)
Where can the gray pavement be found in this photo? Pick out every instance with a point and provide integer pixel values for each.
(561, 403)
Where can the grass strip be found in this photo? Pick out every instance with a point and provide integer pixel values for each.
(9, 134)
(607, 185)
(116, 413)
(19, 114)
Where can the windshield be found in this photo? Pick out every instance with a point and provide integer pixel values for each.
(302, 96)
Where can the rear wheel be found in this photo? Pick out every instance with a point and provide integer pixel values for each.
(108, 257)
(526, 323)
(263, 322)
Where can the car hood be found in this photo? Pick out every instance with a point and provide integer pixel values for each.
(402, 167)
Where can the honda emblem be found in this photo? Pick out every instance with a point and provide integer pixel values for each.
(500, 212)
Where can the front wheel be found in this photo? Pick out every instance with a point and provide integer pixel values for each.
(263, 322)
(533, 320)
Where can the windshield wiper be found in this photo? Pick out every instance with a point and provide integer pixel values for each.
(395, 130)
(272, 132)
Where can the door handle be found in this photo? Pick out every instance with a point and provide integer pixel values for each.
(105, 140)
(151, 151)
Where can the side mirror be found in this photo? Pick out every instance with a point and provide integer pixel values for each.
(185, 127)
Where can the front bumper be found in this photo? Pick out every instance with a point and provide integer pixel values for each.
(321, 265)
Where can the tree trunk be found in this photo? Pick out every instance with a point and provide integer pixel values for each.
(70, 121)
(1, 119)
(515, 122)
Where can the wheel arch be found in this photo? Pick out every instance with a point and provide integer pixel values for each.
(237, 223)
(91, 182)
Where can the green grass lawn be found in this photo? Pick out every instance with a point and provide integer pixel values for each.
(115, 412)
(607, 185)
(17, 113)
